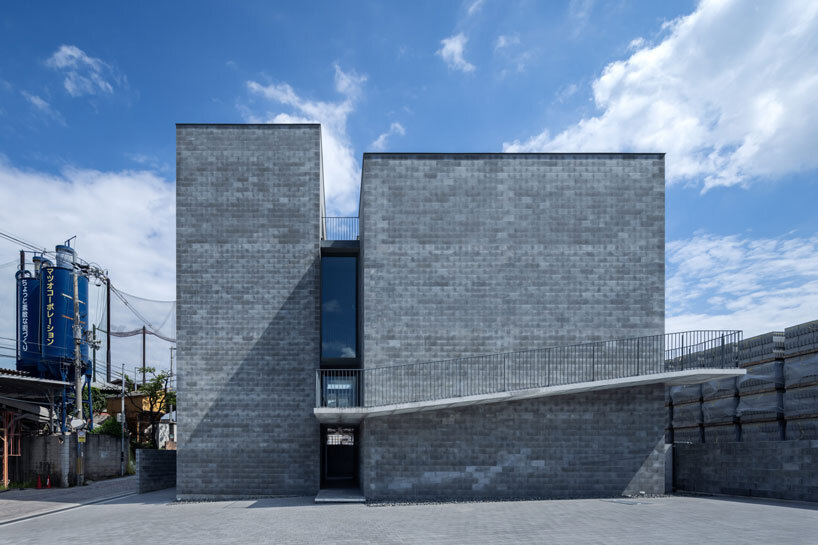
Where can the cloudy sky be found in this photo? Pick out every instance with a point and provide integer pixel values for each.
(89, 96)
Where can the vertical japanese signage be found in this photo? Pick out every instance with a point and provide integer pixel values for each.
(24, 322)
(48, 293)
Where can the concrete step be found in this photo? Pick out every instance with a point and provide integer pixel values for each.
(340, 495)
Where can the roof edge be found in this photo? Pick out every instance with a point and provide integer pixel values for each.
(404, 154)
(248, 124)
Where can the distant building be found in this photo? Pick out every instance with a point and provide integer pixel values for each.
(304, 341)
(139, 414)
(167, 431)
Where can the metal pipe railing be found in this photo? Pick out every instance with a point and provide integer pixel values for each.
(538, 368)
(338, 228)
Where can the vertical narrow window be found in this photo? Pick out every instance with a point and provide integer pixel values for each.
(339, 316)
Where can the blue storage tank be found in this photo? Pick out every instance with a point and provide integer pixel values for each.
(57, 316)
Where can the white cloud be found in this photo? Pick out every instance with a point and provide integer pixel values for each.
(507, 48)
(84, 75)
(506, 41)
(342, 173)
(567, 92)
(43, 107)
(379, 144)
(729, 94)
(735, 282)
(579, 12)
(148, 162)
(474, 7)
(636, 43)
(124, 221)
(452, 53)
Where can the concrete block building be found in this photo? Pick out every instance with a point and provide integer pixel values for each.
(489, 326)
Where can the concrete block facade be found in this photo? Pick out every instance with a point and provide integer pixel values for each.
(459, 255)
(466, 255)
(247, 235)
(155, 469)
(763, 440)
(601, 444)
(762, 469)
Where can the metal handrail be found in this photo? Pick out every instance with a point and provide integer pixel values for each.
(339, 228)
(508, 371)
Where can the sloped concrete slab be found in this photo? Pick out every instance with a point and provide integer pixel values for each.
(354, 415)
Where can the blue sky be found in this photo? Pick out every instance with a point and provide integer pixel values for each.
(89, 95)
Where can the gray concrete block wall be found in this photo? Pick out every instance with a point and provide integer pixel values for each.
(248, 219)
(763, 469)
(42, 455)
(598, 444)
(771, 452)
(155, 469)
(476, 254)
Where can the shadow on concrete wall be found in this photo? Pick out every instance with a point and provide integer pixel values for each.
(259, 435)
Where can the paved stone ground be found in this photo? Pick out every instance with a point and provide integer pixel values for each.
(15, 504)
(298, 520)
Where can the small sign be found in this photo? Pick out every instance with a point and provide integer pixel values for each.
(120, 417)
(81, 436)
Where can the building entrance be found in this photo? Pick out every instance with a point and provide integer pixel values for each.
(339, 457)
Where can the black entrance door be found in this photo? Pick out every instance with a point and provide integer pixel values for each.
(339, 457)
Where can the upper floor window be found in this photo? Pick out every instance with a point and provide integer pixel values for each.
(339, 316)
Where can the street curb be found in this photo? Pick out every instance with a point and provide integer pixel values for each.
(61, 509)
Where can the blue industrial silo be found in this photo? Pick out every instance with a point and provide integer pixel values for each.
(57, 317)
(45, 320)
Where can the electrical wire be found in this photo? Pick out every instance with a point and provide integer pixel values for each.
(17, 240)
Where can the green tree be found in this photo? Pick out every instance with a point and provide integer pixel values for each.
(97, 399)
(156, 400)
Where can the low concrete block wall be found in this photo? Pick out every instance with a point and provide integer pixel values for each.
(763, 469)
(42, 455)
(155, 469)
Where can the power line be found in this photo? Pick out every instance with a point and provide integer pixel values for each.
(17, 240)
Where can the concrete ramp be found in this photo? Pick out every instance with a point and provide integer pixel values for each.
(354, 415)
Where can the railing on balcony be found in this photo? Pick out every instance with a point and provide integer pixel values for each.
(511, 371)
(337, 228)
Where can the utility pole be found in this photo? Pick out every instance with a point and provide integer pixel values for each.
(122, 427)
(172, 348)
(143, 357)
(78, 374)
(108, 329)
(94, 363)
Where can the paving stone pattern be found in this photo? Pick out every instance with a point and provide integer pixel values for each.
(668, 520)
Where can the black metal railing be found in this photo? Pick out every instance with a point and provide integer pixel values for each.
(511, 371)
(339, 388)
(336, 228)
